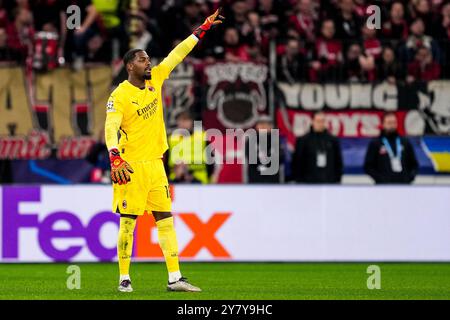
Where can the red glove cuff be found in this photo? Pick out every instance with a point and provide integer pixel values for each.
(114, 157)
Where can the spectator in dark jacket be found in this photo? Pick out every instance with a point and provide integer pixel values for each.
(317, 157)
(358, 66)
(423, 68)
(7, 54)
(396, 28)
(292, 65)
(328, 57)
(390, 158)
(422, 10)
(418, 39)
(443, 37)
(347, 22)
(263, 154)
(388, 68)
(20, 34)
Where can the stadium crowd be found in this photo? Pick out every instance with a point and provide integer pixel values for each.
(315, 40)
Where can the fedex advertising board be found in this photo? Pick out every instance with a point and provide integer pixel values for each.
(233, 223)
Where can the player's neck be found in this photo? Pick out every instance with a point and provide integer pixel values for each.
(140, 83)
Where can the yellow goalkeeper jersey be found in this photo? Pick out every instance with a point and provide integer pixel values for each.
(138, 113)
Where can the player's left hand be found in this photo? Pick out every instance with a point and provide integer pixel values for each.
(210, 22)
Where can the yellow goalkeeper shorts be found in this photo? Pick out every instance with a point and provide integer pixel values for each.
(148, 190)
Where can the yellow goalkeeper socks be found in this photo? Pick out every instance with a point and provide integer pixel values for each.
(125, 245)
(168, 243)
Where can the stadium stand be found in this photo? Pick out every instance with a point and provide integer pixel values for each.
(289, 58)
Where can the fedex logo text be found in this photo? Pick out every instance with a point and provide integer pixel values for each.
(49, 236)
(203, 236)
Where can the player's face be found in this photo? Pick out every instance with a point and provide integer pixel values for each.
(142, 66)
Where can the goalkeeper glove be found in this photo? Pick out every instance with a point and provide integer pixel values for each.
(120, 169)
(211, 21)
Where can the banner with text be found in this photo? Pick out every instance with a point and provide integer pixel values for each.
(355, 109)
(327, 223)
(236, 93)
(60, 110)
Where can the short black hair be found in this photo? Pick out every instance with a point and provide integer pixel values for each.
(317, 112)
(185, 114)
(130, 55)
(388, 114)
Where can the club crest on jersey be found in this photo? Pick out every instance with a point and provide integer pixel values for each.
(151, 88)
(124, 204)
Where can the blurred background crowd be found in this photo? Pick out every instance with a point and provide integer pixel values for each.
(301, 41)
(316, 40)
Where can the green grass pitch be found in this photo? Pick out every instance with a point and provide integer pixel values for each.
(252, 281)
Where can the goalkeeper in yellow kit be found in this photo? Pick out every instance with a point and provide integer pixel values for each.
(140, 183)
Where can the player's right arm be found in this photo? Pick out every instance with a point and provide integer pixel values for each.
(120, 169)
(114, 116)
